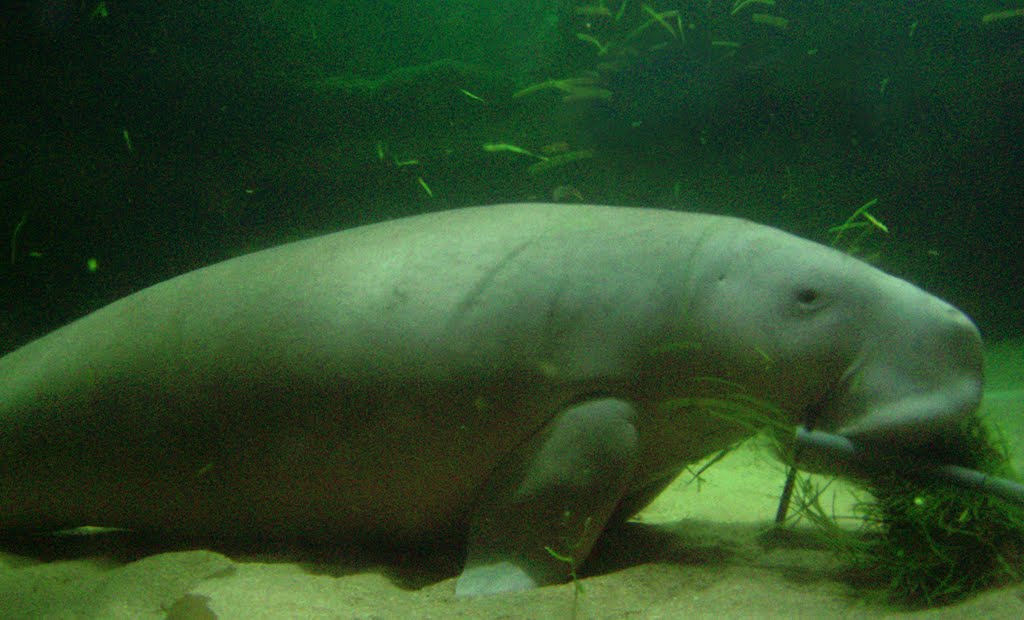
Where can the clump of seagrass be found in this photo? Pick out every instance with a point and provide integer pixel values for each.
(937, 544)
(925, 542)
(922, 541)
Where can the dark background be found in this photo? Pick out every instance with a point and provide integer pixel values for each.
(254, 123)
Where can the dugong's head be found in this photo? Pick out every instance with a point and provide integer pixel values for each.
(840, 345)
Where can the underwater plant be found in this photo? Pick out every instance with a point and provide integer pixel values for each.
(574, 89)
(933, 543)
(861, 220)
(922, 540)
(577, 585)
(559, 160)
(857, 235)
(923, 532)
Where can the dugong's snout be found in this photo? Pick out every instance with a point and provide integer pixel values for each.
(917, 379)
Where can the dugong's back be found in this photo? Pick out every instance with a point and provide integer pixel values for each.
(357, 384)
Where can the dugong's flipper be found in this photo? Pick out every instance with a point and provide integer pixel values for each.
(551, 497)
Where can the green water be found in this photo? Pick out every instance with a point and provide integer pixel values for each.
(154, 138)
(144, 139)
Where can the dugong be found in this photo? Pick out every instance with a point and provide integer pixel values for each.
(516, 375)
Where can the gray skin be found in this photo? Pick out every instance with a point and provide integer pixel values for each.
(518, 375)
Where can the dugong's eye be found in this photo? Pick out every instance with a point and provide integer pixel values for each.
(807, 296)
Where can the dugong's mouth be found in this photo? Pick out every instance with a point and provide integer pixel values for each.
(912, 417)
(843, 454)
(871, 423)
